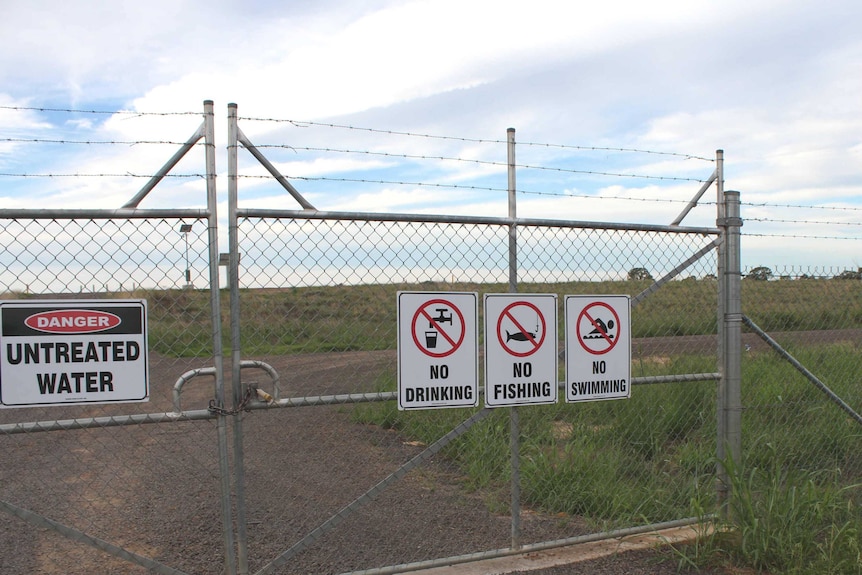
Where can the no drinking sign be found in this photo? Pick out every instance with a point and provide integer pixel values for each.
(438, 356)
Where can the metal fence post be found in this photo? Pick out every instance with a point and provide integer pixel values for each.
(514, 423)
(513, 212)
(730, 405)
(218, 352)
(236, 360)
(733, 327)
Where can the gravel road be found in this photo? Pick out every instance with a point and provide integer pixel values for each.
(154, 489)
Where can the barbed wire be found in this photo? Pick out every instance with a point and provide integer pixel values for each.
(481, 162)
(470, 187)
(95, 142)
(380, 182)
(79, 175)
(306, 123)
(819, 222)
(801, 206)
(623, 198)
(800, 236)
(104, 112)
(612, 149)
(406, 156)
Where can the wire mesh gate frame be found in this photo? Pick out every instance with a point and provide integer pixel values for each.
(729, 321)
(130, 211)
(235, 550)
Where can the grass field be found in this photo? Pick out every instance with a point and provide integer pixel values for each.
(796, 492)
(357, 318)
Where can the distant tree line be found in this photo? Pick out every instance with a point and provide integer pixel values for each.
(763, 273)
(759, 273)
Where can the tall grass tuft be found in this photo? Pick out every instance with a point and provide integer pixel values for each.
(784, 521)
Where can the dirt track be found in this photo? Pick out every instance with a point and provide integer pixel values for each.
(154, 489)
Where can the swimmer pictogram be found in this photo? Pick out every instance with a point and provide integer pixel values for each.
(598, 327)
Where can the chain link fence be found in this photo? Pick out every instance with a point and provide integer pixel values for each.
(330, 463)
(92, 478)
(311, 467)
(583, 467)
(801, 393)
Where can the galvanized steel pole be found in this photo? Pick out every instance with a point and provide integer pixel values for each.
(236, 359)
(514, 423)
(722, 483)
(513, 213)
(732, 373)
(729, 447)
(218, 351)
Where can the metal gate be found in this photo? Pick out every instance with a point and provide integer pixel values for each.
(283, 452)
(516, 474)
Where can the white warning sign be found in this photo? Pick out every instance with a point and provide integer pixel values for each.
(438, 357)
(520, 349)
(598, 347)
(73, 352)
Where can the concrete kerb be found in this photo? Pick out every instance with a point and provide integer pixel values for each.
(570, 554)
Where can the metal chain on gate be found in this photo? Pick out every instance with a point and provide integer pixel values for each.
(242, 406)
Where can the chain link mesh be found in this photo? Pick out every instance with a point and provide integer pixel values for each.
(582, 466)
(148, 489)
(318, 305)
(815, 317)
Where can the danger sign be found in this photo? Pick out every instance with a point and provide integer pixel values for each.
(438, 343)
(598, 347)
(64, 352)
(520, 349)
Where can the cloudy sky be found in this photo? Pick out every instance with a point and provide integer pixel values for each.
(776, 84)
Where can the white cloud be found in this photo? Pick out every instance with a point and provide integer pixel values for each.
(775, 84)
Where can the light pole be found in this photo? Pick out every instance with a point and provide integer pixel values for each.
(185, 229)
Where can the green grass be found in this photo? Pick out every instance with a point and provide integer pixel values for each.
(784, 521)
(363, 317)
(795, 506)
(651, 458)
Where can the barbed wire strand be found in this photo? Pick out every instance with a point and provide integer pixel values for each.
(807, 207)
(480, 162)
(78, 175)
(104, 112)
(471, 188)
(94, 142)
(819, 222)
(299, 123)
(306, 123)
(800, 236)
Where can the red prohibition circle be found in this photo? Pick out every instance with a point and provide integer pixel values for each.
(502, 340)
(421, 313)
(612, 342)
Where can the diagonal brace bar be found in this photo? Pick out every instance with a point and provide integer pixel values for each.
(273, 170)
(676, 271)
(802, 369)
(696, 198)
(169, 165)
(76, 535)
